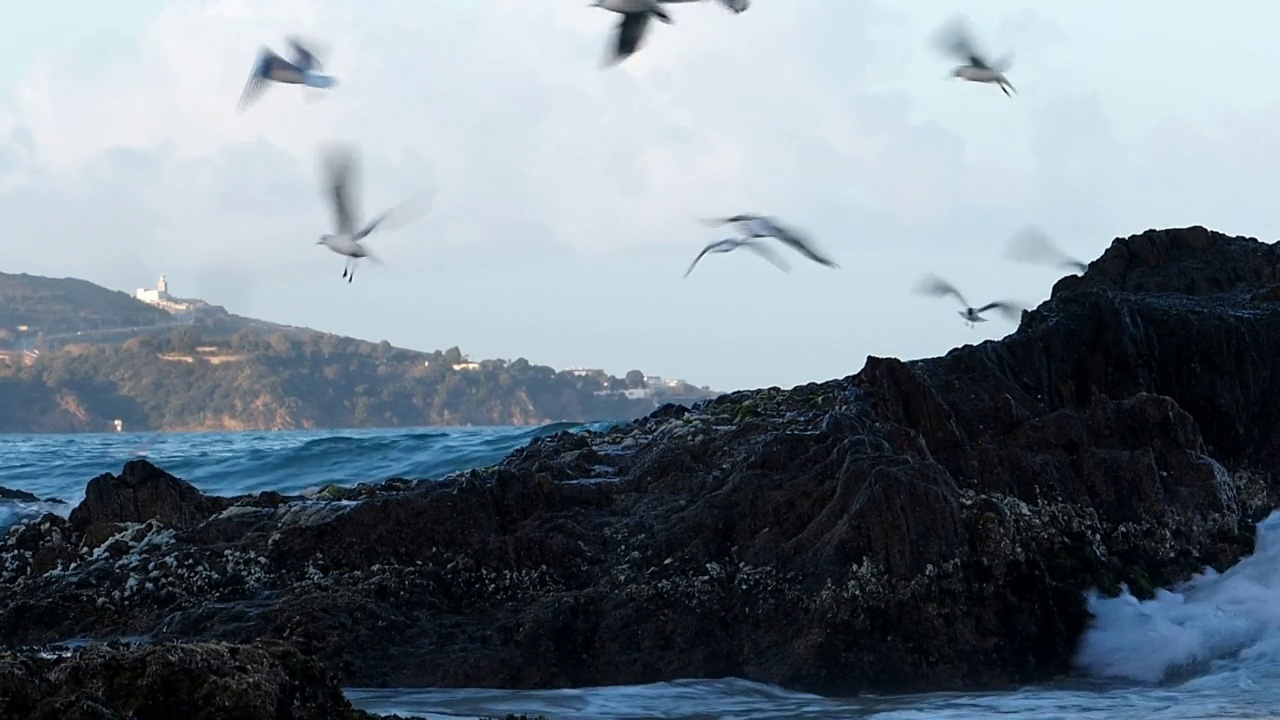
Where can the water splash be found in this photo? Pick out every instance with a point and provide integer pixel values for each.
(1208, 624)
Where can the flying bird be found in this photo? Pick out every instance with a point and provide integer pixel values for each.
(731, 244)
(955, 40)
(751, 227)
(1033, 246)
(303, 69)
(340, 172)
(937, 287)
(635, 19)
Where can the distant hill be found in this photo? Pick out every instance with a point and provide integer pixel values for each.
(77, 357)
(67, 305)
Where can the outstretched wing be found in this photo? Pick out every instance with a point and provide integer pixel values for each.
(257, 82)
(630, 34)
(955, 39)
(801, 243)
(304, 58)
(937, 287)
(340, 169)
(711, 247)
(763, 251)
(1033, 246)
(1005, 308)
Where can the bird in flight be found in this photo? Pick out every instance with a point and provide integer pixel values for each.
(937, 287)
(303, 69)
(635, 19)
(955, 40)
(1033, 246)
(340, 176)
(750, 227)
(731, 244)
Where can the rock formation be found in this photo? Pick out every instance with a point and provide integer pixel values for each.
(919, 525)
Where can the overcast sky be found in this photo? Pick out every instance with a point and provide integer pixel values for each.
(566, 192)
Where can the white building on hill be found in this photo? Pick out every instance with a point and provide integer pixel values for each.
(161, 298)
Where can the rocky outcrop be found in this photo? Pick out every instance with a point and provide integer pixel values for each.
(205, 681)
(919, 525)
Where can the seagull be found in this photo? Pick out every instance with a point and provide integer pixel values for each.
(340, 166)
(955, 40)
(1032, 245)
(731, 244)
(635, 18)
(937, 287)
(302, 70)
(763, 226)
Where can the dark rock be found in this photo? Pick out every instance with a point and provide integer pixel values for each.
(919, 525)
(269, 681)
(143, 492)
(19, 495)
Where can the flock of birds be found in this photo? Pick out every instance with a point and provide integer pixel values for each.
(305, 69)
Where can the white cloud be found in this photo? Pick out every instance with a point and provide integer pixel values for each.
(124, 160)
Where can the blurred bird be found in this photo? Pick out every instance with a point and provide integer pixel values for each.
(1033, 246)
(635, 19)
(954, 39)
(763, 226)
(302, 70)
(937, 287)
(340, 174)
(731, 244)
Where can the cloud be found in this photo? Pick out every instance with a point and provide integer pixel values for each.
(124, 156)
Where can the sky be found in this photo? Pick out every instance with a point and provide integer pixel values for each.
(565, 193)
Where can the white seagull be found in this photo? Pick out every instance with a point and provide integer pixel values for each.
(271, 67)
(955, 40)
(937, 287)
(1033, 246)
(731, 244)
(751, 227)
(339, 162)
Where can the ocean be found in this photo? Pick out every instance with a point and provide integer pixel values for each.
(1208, 648)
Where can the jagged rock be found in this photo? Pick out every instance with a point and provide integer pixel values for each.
(920, 525)
(19, 495)
(201, 681)
(143, 492)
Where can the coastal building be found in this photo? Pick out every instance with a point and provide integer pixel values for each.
(160, 297)
(466, 365)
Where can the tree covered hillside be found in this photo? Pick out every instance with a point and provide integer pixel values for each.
(181, 381)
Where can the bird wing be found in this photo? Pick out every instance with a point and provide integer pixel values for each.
(302, 57)
(954, 39)
(256, 83)
(1007, 309)
(719, 221)
(630, 33)
(339, 164)
(1034, 246)
(937, 287)
(711, 247)
(800, 242)
(773, 257)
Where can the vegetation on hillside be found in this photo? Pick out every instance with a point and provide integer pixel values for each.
(183, 381)
(68, 305)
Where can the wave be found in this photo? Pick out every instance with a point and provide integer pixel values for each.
(290, 462)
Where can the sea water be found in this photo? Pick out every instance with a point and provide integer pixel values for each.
(1207, 648)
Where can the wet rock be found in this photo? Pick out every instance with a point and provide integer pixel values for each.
(920, 525)
(210, 681)
(19, 495)
(143, 492)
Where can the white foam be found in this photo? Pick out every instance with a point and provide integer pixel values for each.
(1230, 618)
